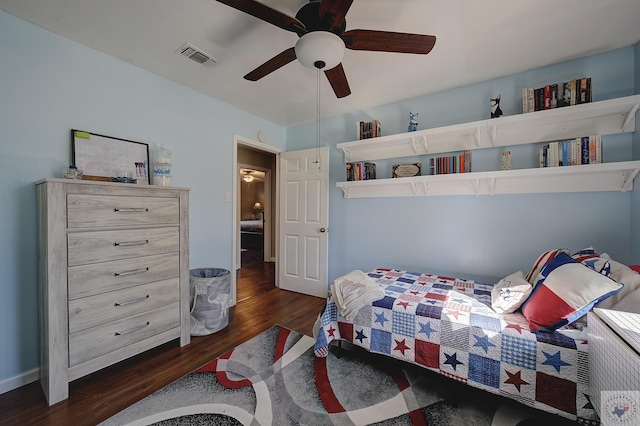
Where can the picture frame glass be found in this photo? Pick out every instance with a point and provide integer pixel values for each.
(100, 157)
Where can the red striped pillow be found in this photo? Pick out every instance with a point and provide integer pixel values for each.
(542, 260)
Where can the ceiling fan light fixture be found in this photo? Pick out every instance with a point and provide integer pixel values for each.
(320, 49)
(248, 178)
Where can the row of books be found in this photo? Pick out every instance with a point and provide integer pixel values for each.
(460, 163)
(557, 95)
(361, 171)
(368, 129)
(572, 152)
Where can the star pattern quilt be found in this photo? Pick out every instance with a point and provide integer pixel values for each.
(447, 325)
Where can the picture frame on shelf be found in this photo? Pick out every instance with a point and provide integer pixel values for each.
(406, 170)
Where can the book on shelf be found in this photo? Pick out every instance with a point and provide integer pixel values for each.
(553, 96)
(361, 171)
(368, 129)
(547, 97)
(460, 163)
(571, 152)
(557, 95)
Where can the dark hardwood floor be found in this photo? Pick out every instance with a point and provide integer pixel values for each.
(255, 275)
(100, 395)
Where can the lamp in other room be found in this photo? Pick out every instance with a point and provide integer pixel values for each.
(248, 177)
(257, 208)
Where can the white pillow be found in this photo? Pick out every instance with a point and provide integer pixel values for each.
(510, 293)
(630, 303)
(622, 274)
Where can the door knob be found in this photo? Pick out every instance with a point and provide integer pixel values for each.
(323, 229)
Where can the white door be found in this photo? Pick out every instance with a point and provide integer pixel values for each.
(304, 221)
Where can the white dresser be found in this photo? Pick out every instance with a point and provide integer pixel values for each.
(614, 365)
(113, 261)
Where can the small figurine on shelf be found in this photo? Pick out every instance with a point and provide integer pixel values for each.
(413, 122)
(495, 107)
(506, 161)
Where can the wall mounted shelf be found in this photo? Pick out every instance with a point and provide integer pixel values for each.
(585, 178)
(603, 118)
(612, 116)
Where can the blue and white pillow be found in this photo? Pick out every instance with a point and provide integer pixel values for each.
(589, 258)
(510, 293)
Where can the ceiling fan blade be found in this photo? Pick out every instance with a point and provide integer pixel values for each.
(338, 81)
(334, 11)
(266, 13)
(386, 41)
(272, 64)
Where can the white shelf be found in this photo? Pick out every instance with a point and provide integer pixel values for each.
(603, 118)
(584, 178)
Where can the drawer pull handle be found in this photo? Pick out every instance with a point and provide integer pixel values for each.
(129, 302)
(131, 243)
(124, 274)
(131, 330)
(131, 210)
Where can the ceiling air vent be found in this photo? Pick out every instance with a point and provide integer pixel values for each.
(197, 55)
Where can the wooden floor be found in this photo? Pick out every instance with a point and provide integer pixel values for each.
(255, 276)
(100, 395)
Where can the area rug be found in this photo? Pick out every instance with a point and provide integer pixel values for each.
(275, 379)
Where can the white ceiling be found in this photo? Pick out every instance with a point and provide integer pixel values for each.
(477, 40)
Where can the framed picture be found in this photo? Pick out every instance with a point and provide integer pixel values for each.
(406, 170)
(104, 157)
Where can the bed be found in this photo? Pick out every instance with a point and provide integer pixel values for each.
(251, 234)
(447, 325)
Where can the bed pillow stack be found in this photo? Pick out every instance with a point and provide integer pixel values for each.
(565, 288)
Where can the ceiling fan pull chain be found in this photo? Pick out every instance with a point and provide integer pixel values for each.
(318, 118)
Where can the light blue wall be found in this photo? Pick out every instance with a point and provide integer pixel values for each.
(485, 237)
(635, 198)
(49, 85)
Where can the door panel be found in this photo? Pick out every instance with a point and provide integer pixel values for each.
(304, 222)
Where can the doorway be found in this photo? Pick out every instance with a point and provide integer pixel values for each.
(255, 213)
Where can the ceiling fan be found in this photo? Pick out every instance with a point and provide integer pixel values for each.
(321, 26)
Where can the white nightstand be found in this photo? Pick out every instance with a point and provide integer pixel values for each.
(614, 365)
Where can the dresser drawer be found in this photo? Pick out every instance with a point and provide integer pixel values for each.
(91, 311)
(96, 278)
(86, 211)
(102, 246)
(96, 341)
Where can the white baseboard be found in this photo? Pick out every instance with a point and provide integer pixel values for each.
(20, 380)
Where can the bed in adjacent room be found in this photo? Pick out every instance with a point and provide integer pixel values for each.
(523, 338)
(252, 234)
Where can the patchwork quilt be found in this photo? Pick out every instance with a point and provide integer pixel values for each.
(447, 325)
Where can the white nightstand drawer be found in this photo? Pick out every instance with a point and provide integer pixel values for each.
(91, 311)
(87, 211)
(93, 342)
(87, 280)
(102, 246)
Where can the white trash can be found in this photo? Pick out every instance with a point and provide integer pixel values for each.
(210, 290)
